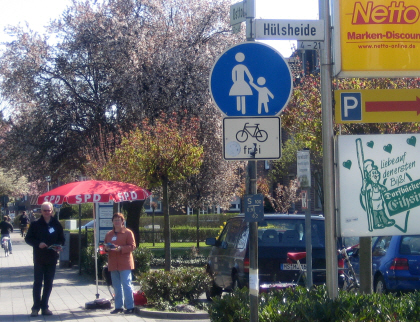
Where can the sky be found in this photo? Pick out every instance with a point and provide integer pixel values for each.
(37, 13)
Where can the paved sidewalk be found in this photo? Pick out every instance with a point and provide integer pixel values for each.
(68, 298)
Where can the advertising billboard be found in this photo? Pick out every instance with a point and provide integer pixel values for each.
(376, 38)
(379, 184)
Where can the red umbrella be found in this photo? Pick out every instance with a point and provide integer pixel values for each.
(94, 191)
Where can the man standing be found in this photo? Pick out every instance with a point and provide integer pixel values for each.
(6, 228)
(46, 237)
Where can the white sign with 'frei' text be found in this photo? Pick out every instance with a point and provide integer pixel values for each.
(247, 138)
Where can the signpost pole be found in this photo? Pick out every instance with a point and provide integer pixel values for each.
(304, 177)
(252, 171)
(253, 248)
(328, 159)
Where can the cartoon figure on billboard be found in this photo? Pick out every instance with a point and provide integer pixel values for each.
(372, 197)
(372, 192)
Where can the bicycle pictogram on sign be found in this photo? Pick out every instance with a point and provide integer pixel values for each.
(258, 134)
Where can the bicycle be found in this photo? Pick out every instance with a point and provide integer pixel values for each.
(347, 275)
(260, 135)
(5, 245)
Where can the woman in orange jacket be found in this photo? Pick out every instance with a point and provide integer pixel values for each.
(120, 244)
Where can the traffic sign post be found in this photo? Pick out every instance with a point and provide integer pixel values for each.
(251, 79)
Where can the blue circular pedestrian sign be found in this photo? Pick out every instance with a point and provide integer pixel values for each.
(251, 79)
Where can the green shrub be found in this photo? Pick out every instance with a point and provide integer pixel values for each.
(210, 220)
(299, 304)
(176, 285)
(88, 261)
(178, 234)
(142, 259)
(233, 307)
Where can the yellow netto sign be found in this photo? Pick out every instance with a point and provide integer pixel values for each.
(377, 106)
(377, 38)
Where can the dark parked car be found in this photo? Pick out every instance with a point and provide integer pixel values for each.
(395, 263)
(228, 261)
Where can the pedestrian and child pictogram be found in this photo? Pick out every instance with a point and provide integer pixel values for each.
(251, 79)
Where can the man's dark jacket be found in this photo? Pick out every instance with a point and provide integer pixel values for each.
(52, 233)
(5, 228)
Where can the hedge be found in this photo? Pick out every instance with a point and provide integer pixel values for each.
(178, 234)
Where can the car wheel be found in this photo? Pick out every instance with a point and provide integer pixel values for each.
(380, 286)
(213, 291)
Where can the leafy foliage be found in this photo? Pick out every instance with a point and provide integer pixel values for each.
(12, 182)
(142, 259)
(284, 196)
(300, 304)
(113, 63)
(175, 286)
(163, 150)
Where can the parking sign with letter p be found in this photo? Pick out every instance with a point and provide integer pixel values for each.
(351, 106)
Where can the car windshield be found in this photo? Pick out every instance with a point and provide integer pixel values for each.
(289, 232)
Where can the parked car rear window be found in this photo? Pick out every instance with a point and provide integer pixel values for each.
(410, 245)
(381, 246)
(289, 232)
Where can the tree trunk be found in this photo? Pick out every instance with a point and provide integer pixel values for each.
(133, 209)
(166, 228)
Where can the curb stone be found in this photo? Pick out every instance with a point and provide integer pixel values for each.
(171, 315)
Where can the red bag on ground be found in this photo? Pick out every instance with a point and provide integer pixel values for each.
(139, 298)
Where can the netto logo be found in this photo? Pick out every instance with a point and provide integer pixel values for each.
(380, 14)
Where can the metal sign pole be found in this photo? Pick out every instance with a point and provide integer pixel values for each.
(328, 158)
(252, 170)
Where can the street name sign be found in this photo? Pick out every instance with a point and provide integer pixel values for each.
(254, 208)
(251, 79)
(377, 105)
(274, 29)
(251, 138)
(237, 13)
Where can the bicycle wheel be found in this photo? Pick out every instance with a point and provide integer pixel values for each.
(350, 285)
(261, 136)
(242, 136)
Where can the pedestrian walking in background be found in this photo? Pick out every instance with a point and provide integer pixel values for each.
(46, 236)
(120, 244)
(5, 229)
(24, 221)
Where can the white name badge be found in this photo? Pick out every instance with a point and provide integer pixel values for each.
(114, 238)
(51, 230)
